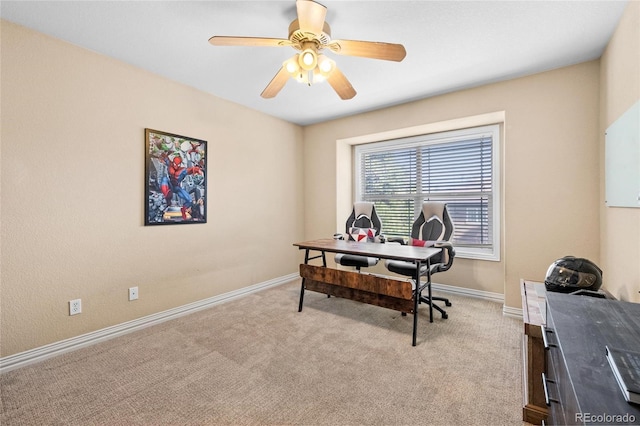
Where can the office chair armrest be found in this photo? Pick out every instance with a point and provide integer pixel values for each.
(396, 240)
(451, 253)
(442, 244)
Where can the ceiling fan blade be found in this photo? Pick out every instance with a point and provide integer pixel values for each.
(276, 84)
(369, 49)
(340, 84)
(311, 16)
(248, 41)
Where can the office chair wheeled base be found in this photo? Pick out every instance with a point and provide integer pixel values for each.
(443, 299)
(424, 299)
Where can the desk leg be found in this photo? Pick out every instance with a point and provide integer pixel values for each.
(324, 263)
(416, 300)
(301, 296)
(306, 261)
(430, 298)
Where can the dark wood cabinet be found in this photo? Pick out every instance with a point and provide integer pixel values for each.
(534, 409)
(578, 382)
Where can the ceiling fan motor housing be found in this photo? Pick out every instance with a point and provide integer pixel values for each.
(298, 37)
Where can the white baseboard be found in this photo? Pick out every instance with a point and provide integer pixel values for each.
(487, 295)
(480, 294)
(512, 312)
(41, 353)
(469, 292)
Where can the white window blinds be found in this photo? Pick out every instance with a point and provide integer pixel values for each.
(454, 167)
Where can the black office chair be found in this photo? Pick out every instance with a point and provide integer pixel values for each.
(364, 225)
(432, 228)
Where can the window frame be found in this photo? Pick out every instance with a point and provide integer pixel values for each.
(448, 136)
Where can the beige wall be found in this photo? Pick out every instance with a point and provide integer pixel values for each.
(620, 89)
(72, 209)
(72, 156)
(550, 159)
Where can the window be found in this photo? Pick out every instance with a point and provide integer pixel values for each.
(458, 167)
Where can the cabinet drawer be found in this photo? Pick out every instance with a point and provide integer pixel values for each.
(551, 379)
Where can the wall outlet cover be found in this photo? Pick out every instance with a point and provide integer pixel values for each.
(133, 293)
(75, 306)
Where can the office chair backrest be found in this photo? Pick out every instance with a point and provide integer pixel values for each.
(433, 224)
(359, 227)
(364, 216)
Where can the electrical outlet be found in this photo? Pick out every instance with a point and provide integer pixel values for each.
(75, 306)
(133, 293)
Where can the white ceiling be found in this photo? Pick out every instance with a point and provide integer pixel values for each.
(450, 45)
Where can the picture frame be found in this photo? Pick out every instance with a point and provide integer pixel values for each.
(175, 179)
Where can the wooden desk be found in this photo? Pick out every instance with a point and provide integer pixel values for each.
(376, 290)
(534, 408)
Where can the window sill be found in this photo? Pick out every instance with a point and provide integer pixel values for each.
(488, 255)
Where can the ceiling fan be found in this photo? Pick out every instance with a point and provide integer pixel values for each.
(310, 34)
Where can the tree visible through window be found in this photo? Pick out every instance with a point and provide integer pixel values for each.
(457, 168)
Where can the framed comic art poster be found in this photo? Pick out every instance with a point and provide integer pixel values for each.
(175, 179)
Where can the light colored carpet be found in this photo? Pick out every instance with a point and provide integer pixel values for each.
(256, 360)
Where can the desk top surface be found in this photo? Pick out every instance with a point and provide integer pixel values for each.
(533, 302)
(383, 251)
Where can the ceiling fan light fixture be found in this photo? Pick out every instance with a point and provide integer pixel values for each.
(318, 75)
(292, 66)
(325, 65)
(308, 59)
